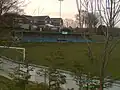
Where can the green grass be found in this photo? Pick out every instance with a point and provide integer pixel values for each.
(36, 53)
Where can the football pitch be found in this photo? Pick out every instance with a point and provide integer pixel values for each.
(38, 53)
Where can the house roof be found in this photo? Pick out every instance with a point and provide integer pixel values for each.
(27, 17)
(56, 19)
(41, 17)
(11, 15)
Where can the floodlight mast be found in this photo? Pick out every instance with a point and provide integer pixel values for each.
(60, 7)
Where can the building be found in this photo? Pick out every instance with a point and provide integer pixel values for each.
(42, 21)
(49, 36)
(17, 21)
(8, 19)
(24, 21)
(58, 22)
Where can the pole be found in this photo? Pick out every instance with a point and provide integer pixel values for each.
(114, 14)
(79, 10)
(60, 8)
(60, 12)
(80, 14)
(24, 54)
(100, 11)
(95, 6)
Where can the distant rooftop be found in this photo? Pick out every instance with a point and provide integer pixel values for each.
(56, 18)
(41, 17)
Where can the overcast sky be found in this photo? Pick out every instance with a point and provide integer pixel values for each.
(51, 8)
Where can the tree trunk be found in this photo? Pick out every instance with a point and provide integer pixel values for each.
(45, 81)
(101, 84)
(111, 14)
(102, 78)
(87, 87)
(49, 86)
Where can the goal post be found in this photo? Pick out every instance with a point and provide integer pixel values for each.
(16, 48)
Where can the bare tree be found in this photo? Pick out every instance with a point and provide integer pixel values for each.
(78, 72)
(54, 77)
(91, 20)
(78, 2)
(70, 22)
(109, 12)
(86, 13)
(109, 15)
(88, 19)
(10, 6)
(9, 9)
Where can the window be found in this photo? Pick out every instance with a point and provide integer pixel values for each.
(46, 21)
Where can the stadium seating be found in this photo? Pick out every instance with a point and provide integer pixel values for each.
(48, 39)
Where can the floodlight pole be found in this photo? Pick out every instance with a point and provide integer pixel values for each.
(60, 6)
(60, 13)
(17, 48)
